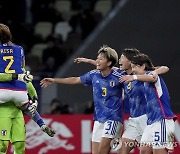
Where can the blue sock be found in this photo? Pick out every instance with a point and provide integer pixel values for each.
(36, 117)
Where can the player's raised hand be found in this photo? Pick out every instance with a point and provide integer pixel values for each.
(85, 60)
(80, 60)
(154, 74)
(33, 106)
(126, 78)
(46, 82)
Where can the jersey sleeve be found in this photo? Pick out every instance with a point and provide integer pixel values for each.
(5, 77)
(22, 53)
(31, 90)
(86, 79)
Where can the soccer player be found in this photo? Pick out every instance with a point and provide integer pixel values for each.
(107, 95)
(12, 128)
(12, 122)
(134, 101)
(134, 95)
(12, 61)
(158, 134)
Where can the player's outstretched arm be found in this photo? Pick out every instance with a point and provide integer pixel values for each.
(143, 78)
(31, 90)
(161, 70)
(90, 61)
(21, 77)
(152, 77)
(71, 80)
(84, 60)
(33, 97)
(5, 77)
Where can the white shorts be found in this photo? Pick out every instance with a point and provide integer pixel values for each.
(18, 97)
(109, 129)
(135, 128)
(160, 134)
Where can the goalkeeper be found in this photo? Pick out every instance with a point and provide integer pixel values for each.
(33, 99)
(12, 118)
(12, 60)
(12, 128)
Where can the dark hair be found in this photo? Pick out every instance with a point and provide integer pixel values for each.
(110, 54)
(129, 53)
(141, 59)
(55, 100)
(5, 34)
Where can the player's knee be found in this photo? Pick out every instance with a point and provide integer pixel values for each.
(19, 147)
(145, 150)
(3, 146)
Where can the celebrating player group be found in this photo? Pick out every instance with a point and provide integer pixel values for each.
(136, 86)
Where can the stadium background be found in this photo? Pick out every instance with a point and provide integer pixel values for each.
(54, 32)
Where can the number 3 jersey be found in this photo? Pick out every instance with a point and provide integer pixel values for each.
(11, 59)
(107, 95)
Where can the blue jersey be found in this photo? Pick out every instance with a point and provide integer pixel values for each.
(134, 94)
(158, 101)
(11, 58)
(134, 98)
(107, 95)
(126, 108)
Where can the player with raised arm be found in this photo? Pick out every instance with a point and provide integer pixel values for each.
(107, 95)
(158, 134)
(134, 100)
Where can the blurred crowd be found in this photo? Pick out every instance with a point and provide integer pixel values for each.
(66, 23)
(50, 31)
(59, 107)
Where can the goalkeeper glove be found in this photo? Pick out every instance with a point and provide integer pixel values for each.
(23, 77)
(33, 105)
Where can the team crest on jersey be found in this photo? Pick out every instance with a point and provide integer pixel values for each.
(129, 86)
(112, 83)
(4, 132)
